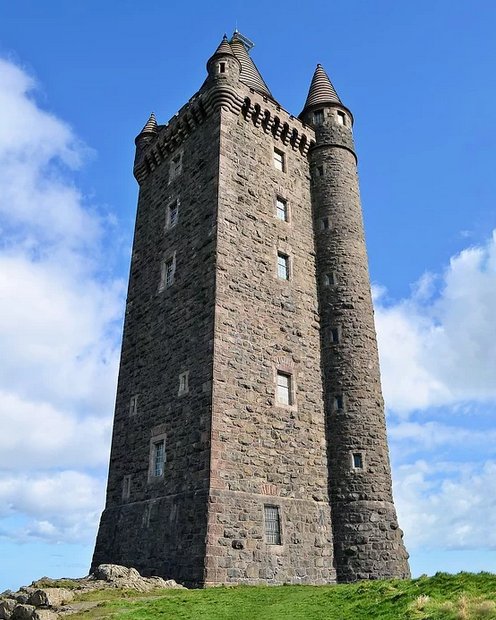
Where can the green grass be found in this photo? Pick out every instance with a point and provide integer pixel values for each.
(443, 597)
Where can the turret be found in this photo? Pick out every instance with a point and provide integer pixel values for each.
(367, 540)
(223, 67)
(147, 135)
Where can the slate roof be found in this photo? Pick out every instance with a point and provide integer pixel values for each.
(250, 75)
(321, 90)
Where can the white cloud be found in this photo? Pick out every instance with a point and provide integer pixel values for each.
(447, 505)
(55, 507)
(59, 324)
(438, 347)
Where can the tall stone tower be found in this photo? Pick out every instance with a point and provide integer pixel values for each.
(249, 440)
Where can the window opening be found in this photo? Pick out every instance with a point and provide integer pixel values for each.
(281, 209)
(172, 214)
(158, 458)
(357, 460)
(133, 405)
(282, 266)
(341, 118)
(183, 383)
(318, 117)
(272, 525)
(284, 389)
(279, 160)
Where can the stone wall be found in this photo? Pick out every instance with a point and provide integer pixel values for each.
(262, 452)
(160, 528)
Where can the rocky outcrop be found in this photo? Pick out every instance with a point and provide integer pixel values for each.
(52, 601)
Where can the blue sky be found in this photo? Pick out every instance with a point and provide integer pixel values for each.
(78, 81)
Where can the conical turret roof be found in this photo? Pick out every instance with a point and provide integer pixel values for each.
(250, 75)
(224, 48)
(321, 90)
(151, 125)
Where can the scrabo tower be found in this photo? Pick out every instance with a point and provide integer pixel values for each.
(249, 440)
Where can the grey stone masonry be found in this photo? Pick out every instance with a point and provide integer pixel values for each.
(249, 442)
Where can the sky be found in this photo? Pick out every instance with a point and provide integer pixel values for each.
(79, 79)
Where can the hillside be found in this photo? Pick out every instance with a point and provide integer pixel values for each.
(464, 596)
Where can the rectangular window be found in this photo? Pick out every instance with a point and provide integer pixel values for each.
(282, 266)
(284, 389)
(320, 171)
(167, 273)
(133, 405)
(335, 335)
(330, 279)
(222, 67)
(281, 209)
(318, 117)
(159, 458)
(272, 525)
(338, 402)
(172, 214)
(126, 487)
(341, 118)
(357, 460)
(279, 160)
(176, 166)
(183, 383)
(324, 223)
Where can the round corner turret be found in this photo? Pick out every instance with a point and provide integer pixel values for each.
(223, 66)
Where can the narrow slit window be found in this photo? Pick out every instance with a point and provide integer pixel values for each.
(341, 118)
(284, 389)
(281, 209)
(222, 67)
(126, 487)
(335, 335)
(279, 163)
(176, 166)
(357, 460)
(172, 214)
(324, 223)
(320, 171)
(168, 272)
(282, 266)
(338, 402)
(183, 383)
(272, 525)
(158, 458)
(330, 279)
(133, 405)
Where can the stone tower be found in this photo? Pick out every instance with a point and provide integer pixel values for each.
(249, 441)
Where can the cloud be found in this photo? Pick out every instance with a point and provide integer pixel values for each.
(60, 321)
(55, 507)
(447, 505)
(437, 347)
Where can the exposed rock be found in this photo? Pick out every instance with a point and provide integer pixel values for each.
(50, 597)
(6, 608)
(123, 577)
(23, 612)
(44, 614)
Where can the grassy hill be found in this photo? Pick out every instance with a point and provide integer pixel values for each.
(464, 596)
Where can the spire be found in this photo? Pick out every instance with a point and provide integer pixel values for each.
(150, 126)
(250, 75)
(321, 90)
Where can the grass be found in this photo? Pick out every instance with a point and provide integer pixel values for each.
(464, 596)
